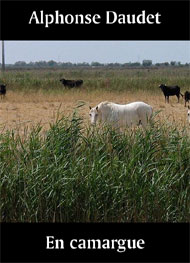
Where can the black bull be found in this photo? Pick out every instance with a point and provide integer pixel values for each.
(3, 90)
(71, 83)
(170, 91)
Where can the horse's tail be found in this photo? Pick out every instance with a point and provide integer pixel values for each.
(181, 94)
(151, 114)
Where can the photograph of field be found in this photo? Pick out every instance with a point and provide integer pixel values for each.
(94, 131)
(55, 167)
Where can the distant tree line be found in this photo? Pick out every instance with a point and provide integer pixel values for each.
(65, 65)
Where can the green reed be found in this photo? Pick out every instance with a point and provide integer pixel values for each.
(95, 174)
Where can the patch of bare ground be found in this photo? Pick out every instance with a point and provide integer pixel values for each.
(19, 111)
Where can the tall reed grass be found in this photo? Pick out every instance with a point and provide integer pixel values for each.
(78, 174)
(102, 79)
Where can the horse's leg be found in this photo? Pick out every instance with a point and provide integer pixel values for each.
(177, 97)
(143, 122)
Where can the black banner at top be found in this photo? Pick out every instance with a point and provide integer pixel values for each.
(95, 20)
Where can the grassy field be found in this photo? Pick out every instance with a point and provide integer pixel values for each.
(118, 80)
(56, 168)
(35, 96)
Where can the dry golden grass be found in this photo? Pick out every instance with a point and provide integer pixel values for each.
(20, 110)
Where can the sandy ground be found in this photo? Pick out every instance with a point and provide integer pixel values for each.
(18, 111)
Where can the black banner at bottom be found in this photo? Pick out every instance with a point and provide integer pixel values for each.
(95, 242)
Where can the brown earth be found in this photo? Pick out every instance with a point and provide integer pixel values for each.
(19, 110)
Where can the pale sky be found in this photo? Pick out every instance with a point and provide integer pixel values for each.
(100, 51)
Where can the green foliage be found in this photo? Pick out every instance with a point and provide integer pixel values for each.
(120, 80)
(74, 174)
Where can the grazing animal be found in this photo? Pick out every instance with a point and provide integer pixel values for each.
(188, 115)
(170, 91)
(2, 90)
(187, 97)
(71, 83)
(118, 115)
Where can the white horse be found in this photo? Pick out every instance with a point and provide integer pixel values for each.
(188, 115)
(118, 115)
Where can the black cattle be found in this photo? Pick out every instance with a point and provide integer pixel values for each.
(71, 83)
(170, 91)
(2, 90)
(187, 97)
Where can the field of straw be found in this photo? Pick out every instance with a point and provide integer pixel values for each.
(36, 96)
(55, 167)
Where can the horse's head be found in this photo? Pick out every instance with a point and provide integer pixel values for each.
(93, 113)
(188, 114)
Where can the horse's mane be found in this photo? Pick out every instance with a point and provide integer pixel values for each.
(104, 103)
